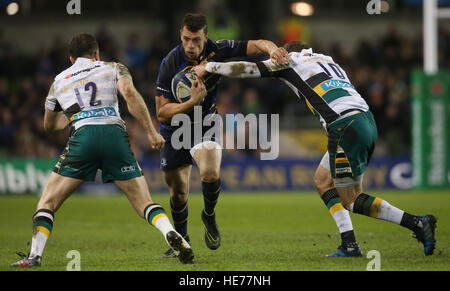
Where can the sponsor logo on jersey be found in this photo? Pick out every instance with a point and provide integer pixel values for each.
(105, 111)
(328, 85)
(332, 84)
(128, 169)
(82, 71)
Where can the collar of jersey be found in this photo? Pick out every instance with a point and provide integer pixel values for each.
(81, 60)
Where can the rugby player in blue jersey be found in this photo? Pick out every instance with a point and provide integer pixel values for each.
(196, 48)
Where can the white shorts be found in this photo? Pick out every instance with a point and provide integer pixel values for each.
(209, 145)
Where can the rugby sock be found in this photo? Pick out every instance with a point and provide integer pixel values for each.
(211, 193)
(179, 216)
(411, 222)
(42, 228)
(340, 215)
(378, 208)
(156, 216)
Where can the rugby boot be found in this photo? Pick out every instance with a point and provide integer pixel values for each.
(425, 233)
(182, 250)
(27, 261)
(212, 234)
(345, 250)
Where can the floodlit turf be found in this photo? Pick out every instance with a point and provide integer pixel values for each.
(260, 232)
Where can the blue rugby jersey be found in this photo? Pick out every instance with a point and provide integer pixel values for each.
(176, 61)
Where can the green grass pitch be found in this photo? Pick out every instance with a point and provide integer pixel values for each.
(260, 232)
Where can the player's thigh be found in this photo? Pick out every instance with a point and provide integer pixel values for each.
(173, 159)
(137, 192)
(351, 142)
(117, 159)
(178, 182)
(323, 180)
(208, 156)
(80, 159)
(57, 189)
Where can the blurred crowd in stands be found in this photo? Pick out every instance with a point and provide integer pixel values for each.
(379, 70)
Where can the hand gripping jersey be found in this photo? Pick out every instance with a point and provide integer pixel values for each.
(87, 92)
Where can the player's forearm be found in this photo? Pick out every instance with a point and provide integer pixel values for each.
(136, 104)
(234, 69)
(138, 109)
(54, 121)
(61, 123)
(260, 46)
(167, 111)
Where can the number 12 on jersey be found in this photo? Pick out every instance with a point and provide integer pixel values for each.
(93, 102)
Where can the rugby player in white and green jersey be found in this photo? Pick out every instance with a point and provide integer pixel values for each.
(85, 97)
(352, 134)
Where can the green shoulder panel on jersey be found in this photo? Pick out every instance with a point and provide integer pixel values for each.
(314, 99)
(334, 94)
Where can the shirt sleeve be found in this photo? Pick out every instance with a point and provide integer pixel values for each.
(234, 69)
(164, 81)
(51, 103)
(227, 49)
(122, 71)
(268, 69)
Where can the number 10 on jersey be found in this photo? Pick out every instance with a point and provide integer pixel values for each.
(337, 71)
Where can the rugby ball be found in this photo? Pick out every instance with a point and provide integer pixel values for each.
(181, 86)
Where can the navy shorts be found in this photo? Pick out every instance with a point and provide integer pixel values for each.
(171, 158)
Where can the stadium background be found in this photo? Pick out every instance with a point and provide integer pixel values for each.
(378, 52)
(269, 214)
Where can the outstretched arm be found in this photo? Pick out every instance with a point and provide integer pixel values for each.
(137, 107)
(234, 69)
(242, 69)
(278, 55)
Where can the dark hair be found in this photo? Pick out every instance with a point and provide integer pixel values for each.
(83, 44)
(194, 22)
(296, 46)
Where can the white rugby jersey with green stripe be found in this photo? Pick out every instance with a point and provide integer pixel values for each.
(87, 92)
(316, 77)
